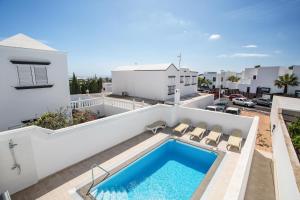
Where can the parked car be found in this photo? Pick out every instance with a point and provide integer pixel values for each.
(263, 102)
(215, 108)
(233, 110)
(243, 102)
(222, 102)
(232, 96)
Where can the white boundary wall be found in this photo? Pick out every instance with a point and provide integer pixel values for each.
(285, 182)
(199, 102)
(42, 152)
(238, 183)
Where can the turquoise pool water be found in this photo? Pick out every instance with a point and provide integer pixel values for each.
(174, 170)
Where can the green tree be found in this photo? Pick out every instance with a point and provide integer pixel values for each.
(99, 83)
(74, 85)
(83, 87)
(285, 81)
(202, 82)
(233, 78)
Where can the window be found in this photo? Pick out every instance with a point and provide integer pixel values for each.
(181, 79)
(171, 80)
(25, 75)
(31, 75)
(187, 80)
(221, 78)
(194, 80)
(214, 79)
(40, 75)
(248, 89)
(171, 89)
(254, 77)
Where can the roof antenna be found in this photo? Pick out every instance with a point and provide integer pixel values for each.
(179, 56)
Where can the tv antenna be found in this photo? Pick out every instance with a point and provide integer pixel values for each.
(179, 56)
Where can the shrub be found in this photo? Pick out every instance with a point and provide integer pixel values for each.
(53, 120)
(296, 141)
(294, 128)
(82, 116)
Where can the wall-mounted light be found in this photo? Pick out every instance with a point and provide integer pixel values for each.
(273, 128)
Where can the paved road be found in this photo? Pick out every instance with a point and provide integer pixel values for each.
(257, 107)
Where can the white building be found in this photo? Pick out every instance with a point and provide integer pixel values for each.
(214, 78)
(255, 80)
(261, 80)
(296, 89)
(34, 80)
(220, 80)
(157, 81)
(225, 83)
(107, 87)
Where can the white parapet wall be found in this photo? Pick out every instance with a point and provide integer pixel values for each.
(285, 181)
(199, 102)
(42, 152)
(238, 184)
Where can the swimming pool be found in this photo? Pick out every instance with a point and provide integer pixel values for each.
(174, 170)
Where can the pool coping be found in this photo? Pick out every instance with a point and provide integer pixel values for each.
(82, 191)
(211, 172)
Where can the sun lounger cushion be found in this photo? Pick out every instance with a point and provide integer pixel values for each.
(213, 136)
(181, 127)
(156, 125)
(234, 141)
(197, 132)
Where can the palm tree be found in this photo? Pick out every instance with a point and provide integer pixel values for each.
(233, 78)
(285, 81)
(203, 82)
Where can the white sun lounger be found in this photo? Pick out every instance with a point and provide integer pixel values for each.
(183, 126)
(215, 134)
(156, 125)
(199, 130)
(235, 139)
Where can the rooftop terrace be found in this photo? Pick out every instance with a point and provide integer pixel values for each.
(57, 163)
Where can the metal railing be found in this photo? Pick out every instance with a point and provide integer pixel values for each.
(120, 103)
(93, 176)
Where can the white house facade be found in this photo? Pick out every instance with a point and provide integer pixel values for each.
(157, 81)
(261, 79)
(214, 78)
(34, 80)
(220, 80)
(255, 80)
(296, 89)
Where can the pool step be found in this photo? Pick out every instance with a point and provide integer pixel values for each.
(112, 195)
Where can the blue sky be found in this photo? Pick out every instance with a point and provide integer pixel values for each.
(99, 35)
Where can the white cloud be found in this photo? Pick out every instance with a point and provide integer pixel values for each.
(214, 37)
(247, 55)
(244, 55)
(250, 46)
(222, 56)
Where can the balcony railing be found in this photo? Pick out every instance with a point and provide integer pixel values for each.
(120, 103)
